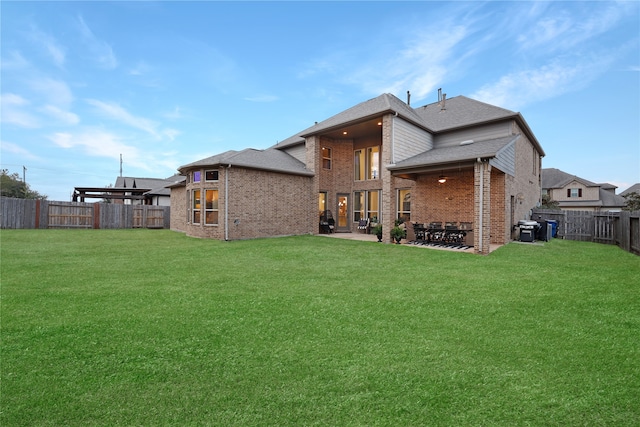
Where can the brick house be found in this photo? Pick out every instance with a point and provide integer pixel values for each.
(457, 160)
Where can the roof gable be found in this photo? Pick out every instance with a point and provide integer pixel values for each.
(455, 154)
(269, 159)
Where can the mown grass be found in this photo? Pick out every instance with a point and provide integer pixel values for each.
(149, 327)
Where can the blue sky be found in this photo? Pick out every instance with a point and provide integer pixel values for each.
(168, 83)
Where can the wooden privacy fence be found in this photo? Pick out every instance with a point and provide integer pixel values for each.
(614, 228)
(25, 213)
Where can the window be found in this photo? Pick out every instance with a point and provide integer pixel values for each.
(373, 163)
(211, 207)
(574, 192)
(366, 204)
(211, 175)
(322, 203)
(366, 164)
(404, 205)
(196, 176)
(326, 158)
(373, 205)
(358, 165)
(358, 206)
(196, 207)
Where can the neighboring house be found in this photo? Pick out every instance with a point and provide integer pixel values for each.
(457, 160)
(132, 191)
(575, 193)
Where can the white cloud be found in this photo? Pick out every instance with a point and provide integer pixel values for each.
(171, 133)
(66, 117)
(13, 112)
(99, 143)
(118, 113)
(101, 50)
(521, 88)
(50, 45)
(14, 61)
(16, 149)
(262, 98)
(55, 91)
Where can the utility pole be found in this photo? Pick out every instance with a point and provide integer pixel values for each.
(120, 165)
(24, 179)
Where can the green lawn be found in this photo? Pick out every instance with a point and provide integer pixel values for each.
(150, 327)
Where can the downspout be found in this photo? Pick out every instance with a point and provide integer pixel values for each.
(226, 204)
(480, 225)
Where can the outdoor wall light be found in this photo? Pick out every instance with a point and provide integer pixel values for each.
(442, 179)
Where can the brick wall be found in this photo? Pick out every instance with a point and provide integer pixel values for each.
(178, 209)
(261, 204)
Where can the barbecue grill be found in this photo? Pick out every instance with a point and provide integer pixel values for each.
(528, 230)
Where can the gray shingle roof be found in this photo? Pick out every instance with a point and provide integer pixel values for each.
(269, 159)
(555, 178)
(458, 153)
(377, 106)
(141, 183)
(635, 188)
(460, 111)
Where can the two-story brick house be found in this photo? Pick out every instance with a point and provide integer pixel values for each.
(457, 160)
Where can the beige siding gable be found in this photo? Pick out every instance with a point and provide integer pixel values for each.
(409, 140)
(298, 152)
(477, 133)
(505, 159)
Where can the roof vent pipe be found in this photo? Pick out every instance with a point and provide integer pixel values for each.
(439, 94)
(408, 98)
(444, 99)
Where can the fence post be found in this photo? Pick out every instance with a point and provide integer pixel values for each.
(96, 215)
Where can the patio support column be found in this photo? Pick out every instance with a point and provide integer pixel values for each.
(388, 195)
(482, 207)
(312, 160)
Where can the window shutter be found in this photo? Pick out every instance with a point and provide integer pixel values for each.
(568, 192)
(579, 192)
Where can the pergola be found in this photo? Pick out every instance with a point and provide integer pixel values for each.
(111, 193)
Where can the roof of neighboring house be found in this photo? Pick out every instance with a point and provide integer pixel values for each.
(635, 188)
(555, 178)
(458, 112)
(456, 154)
(269, 159)
(148, 183)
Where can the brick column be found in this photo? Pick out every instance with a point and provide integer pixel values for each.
(482, 207)
(388, 195)
(312, 160)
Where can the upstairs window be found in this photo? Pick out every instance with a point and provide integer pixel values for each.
(366, 164)
(326, 158)
(196, 176)
(574, 192)
(211, 175)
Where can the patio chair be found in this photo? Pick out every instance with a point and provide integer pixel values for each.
(363, 225)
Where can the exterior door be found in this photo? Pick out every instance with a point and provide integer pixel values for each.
(342, 220)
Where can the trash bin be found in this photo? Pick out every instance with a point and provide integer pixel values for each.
(553, 224)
